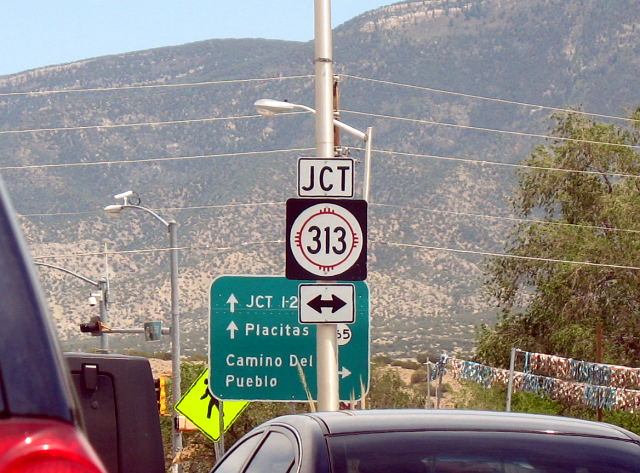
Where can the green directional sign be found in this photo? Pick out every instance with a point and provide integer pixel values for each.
(258, 351)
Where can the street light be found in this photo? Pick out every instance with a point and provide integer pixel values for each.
(103, 287)
(270, 107)
(326, 343)
(132, 201)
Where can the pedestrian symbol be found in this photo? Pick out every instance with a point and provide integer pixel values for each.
(203, 410)
(212, 400)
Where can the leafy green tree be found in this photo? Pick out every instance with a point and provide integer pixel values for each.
(585, 186)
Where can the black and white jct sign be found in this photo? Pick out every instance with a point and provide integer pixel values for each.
(326, 239)
(325, 177)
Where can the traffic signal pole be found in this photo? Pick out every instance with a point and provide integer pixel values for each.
(102, 285)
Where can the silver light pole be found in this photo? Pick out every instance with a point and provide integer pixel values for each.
(171, 225)
(326, 340)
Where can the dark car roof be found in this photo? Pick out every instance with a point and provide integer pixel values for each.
(344, 422)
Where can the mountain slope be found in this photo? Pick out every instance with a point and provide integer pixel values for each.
(548, 52)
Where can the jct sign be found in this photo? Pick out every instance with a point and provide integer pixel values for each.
(325, 177)
(326, 239)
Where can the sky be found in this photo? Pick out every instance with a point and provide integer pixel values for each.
(38, 33)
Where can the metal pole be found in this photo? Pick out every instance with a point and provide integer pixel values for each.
(367, 165)
(512, 364)
(176, 437)
(326, 340)
(221, 426)
(599, 340)
(428, 403)
(104, 313)
(336, 114)
(323, 79)
(104, 294)
(439, 390)
(165, 331)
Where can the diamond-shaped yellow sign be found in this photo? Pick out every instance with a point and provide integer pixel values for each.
(203, 410)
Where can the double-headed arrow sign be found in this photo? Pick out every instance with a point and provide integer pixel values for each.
(318, 303)
(314, 298)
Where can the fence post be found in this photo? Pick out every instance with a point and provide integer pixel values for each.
(428, 403)
(512, 363)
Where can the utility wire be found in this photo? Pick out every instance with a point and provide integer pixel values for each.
(155, 250)
(491, 99)
(511, 219)
(371, 204)
(505, 255)
(488, 130)
(152, 160)
(405, 245)
(195, 207)
(222, 206)
(498, 163)
(151, 86)
(128, 125)
(262, 79)
(249, 153)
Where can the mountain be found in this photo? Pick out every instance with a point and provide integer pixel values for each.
(434, 186)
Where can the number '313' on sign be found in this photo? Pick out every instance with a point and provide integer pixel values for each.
(326, 239)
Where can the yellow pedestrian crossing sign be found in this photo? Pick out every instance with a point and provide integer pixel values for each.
(203, 410)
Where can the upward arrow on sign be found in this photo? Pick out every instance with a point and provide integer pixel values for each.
(232, 328)
(232, 301)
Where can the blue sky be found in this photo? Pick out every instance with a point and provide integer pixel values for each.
(35, 33)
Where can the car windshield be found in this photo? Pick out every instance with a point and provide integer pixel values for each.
(480, 452)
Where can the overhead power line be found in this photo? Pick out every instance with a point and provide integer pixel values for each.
(151, 160)
(156, 250)
(405, 245)
(249, 153)
(509, 219)
(488, 130)
(151, 86)
(127, 125)
(491, 99)
(505, 255)
(500, 164)
(161, 209)
(371, 204)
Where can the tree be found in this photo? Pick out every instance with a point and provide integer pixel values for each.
(585, 187)
(389, 391)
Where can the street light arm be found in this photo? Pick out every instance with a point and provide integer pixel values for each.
(68, 271)
(303, 107)
(149, 211)
(272, 107)
(352, 131)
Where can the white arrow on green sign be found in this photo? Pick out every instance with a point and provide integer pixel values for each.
(259, 351)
